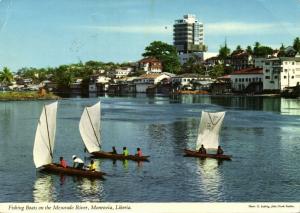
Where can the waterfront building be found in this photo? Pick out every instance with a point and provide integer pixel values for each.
(149, 80)
(280, 73)
(150, 65)
(98, 83)
(120, 72)
(189, 80)
(247, 80)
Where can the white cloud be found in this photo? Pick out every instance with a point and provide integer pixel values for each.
(241, 28)
(162, 29)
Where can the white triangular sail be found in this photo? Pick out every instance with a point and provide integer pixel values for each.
(45, 136)
(89, 127)
(209, 129)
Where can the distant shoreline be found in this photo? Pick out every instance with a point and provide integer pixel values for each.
(26, 96)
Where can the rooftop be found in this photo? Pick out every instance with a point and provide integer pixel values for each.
(248, 71)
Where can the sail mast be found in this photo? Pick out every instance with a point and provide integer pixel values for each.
(48, 132)
(92, 126)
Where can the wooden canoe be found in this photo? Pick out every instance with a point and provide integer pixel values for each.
(191, 153)
(101, 154)
(56, 168)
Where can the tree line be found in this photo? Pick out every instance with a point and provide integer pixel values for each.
(64, 75)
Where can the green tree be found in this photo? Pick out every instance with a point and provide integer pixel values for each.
(281, 52)
(296, 44)
(193, 66)
(261, 51)
(224, 51)
(249, 50)
(166, 53)
(6, 77)
(217, 71)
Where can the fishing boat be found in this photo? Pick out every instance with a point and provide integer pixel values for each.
(208, 136)
(89, 127)
(44, 146)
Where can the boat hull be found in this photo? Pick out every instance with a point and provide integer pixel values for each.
(191, 153)
(101, 154)
(56, 168)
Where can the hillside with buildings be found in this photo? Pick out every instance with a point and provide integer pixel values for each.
(163, 68)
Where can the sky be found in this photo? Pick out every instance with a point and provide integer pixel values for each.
(49, 33)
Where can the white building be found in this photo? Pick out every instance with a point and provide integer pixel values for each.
(120, 72)
(259, 62)
(150, 65)
(186, 80)
(147, 80)
(201, 56)
(188, 34)
(241, 79)
(280, 73)
(96, 80)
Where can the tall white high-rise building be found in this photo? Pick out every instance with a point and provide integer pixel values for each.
(188, 35)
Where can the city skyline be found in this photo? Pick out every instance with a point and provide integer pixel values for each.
(51, 33)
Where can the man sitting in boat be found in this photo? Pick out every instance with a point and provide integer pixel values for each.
(125, 151)
(92, 166)
(202, 150)
(220, 151)
(139, 152)
(62, 162)
(114, 151)
(77, 162)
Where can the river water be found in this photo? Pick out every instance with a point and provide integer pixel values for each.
(261, 133)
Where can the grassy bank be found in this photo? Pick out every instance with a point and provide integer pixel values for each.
(24, 96)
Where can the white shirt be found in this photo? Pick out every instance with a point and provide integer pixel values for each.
(78, 160)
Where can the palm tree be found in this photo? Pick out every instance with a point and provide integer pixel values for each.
(6, 77)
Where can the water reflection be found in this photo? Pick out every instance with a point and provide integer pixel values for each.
(44, 189)
(290, 106)
(210, 178)
(90, 189)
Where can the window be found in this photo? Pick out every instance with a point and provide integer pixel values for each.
(267, 77)
(242, 80)
(284, 77)
(275, 76)
(292, 77)
(236, 80)
(246, 79)
(285, 70)
(267, 70)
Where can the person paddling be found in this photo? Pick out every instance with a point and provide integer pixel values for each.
(114, 151)
(92, 166)
(139, 152)
(220, 151)
(125, 151)
(62, 162)
(202, 150)
(77, 162)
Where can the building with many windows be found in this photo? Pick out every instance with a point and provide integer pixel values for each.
(242, 79)
(281, 73)
(188, 35)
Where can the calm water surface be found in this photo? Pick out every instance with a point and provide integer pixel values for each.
(262, 134)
